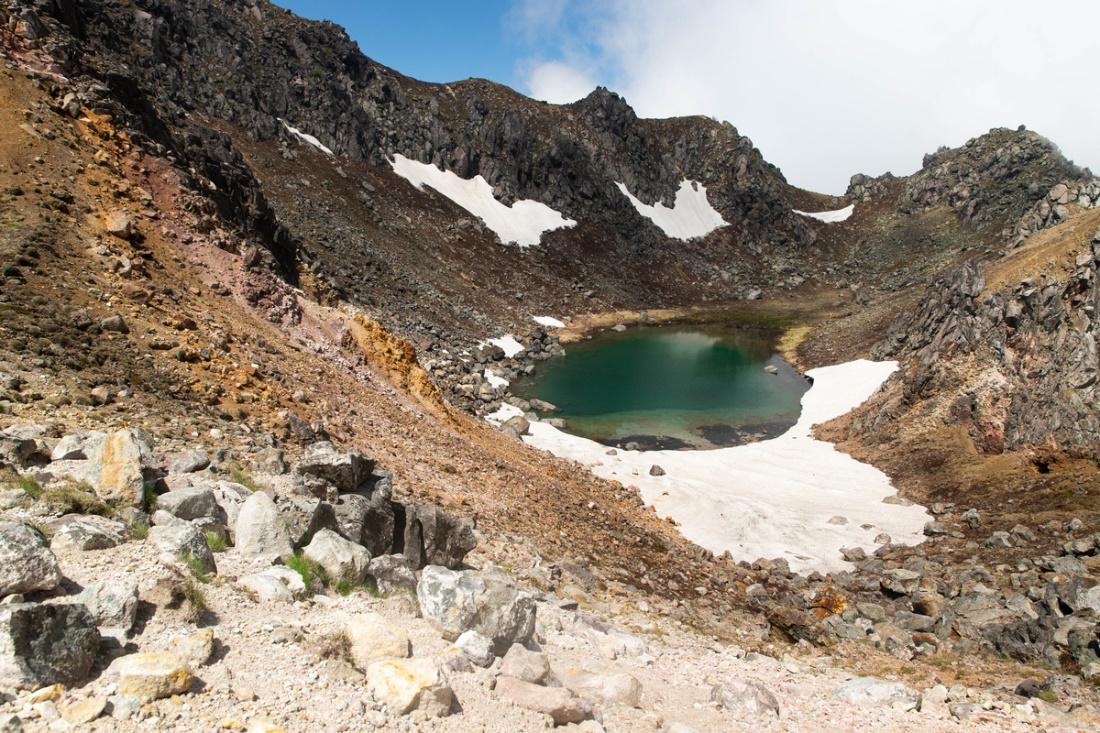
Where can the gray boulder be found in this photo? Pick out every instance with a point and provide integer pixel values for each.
(113, 604)
(77, 446)
(391, 573)
(873, 692)
(433, 537)
(367, 519)
(745, 696)
(522, 663)
(26, 564)
(198, 503)
(181, 540)
(340, 558)
(188, 461)
(260, 531)
(305, 516)
(344, 471)
(116, 466)
(487, 602)
(86, 532)
(42, 644)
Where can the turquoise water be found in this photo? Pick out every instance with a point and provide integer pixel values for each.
(670, 387)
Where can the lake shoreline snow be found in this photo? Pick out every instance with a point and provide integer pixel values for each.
(792, 496)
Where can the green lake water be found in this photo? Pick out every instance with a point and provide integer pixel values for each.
(670, 387)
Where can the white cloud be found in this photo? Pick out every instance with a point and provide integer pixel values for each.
(558, 82)
(826, 90)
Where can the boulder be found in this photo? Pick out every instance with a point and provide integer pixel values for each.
(77, 446)
(344, 471)
(371, 638)
(230, 497)
(277, 583)
(873, 692)
(195, 649)
(366, 519)
(176, 541)
(260, 531)
(487, 602)
(82, 712)
(152, 675)
(198, 503)
(391, 573)
(516, 426)
(188, 461)
(608, 687)
(745, 697)
(477, 647)
(524, 664)
(560, 704)
(26, 564)
(42, 644)
(305, 516)
(113, 604)
(404, 685)
(433, 537)
(74, 532)
(116, 467)
(341, 559)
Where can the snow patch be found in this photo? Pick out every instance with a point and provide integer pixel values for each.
(507, 342)
(548, 321)
(494, 381)
(522, 223)
(306, 138)
(691, 214)
(829, 217)
(768, 499)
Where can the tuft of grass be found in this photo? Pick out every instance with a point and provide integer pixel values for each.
(311, 572)
(75, 498)
(30, 486)
(243, 477)
(195, 565)
(195, 597)
(368, 586)
(1047, 696)
(148, 498)
(216, 541)
(139, 531)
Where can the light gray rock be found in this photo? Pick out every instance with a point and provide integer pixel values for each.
(391, 573)
(42, 644)
(114, 604)
(371, 638)
(116, 466)
(77, 446)
(745, 697)
(260, 530)
(526, 665)
(607, 687)
(176, 541)
(516, 426)
(198, 503)
(477, 647)
(557, 702)
(341, 559)
(404, 685)
(83, 532)
(189, 461)
(26, 564)
(873, 692)
(277, 584)
(230, 497)
(487, 602)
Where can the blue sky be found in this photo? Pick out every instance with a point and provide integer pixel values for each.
(824, 90)
(431, 40)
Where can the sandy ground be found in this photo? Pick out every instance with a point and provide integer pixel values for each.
(793, 496)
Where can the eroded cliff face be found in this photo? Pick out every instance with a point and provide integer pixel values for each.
(1012, 358)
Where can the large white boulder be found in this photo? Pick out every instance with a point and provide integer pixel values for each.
(260, 530)
(487, 602)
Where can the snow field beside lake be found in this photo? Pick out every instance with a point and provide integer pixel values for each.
(792, 496)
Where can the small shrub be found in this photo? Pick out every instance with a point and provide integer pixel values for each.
(195, 565)
(139, 531)
(216, 541)
(311, 572)
(368, 586)
(1048, 696)
(243, 477)
(30, 486)
(333, 645)
(75, 498)
(148, 498)
(195, 597)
